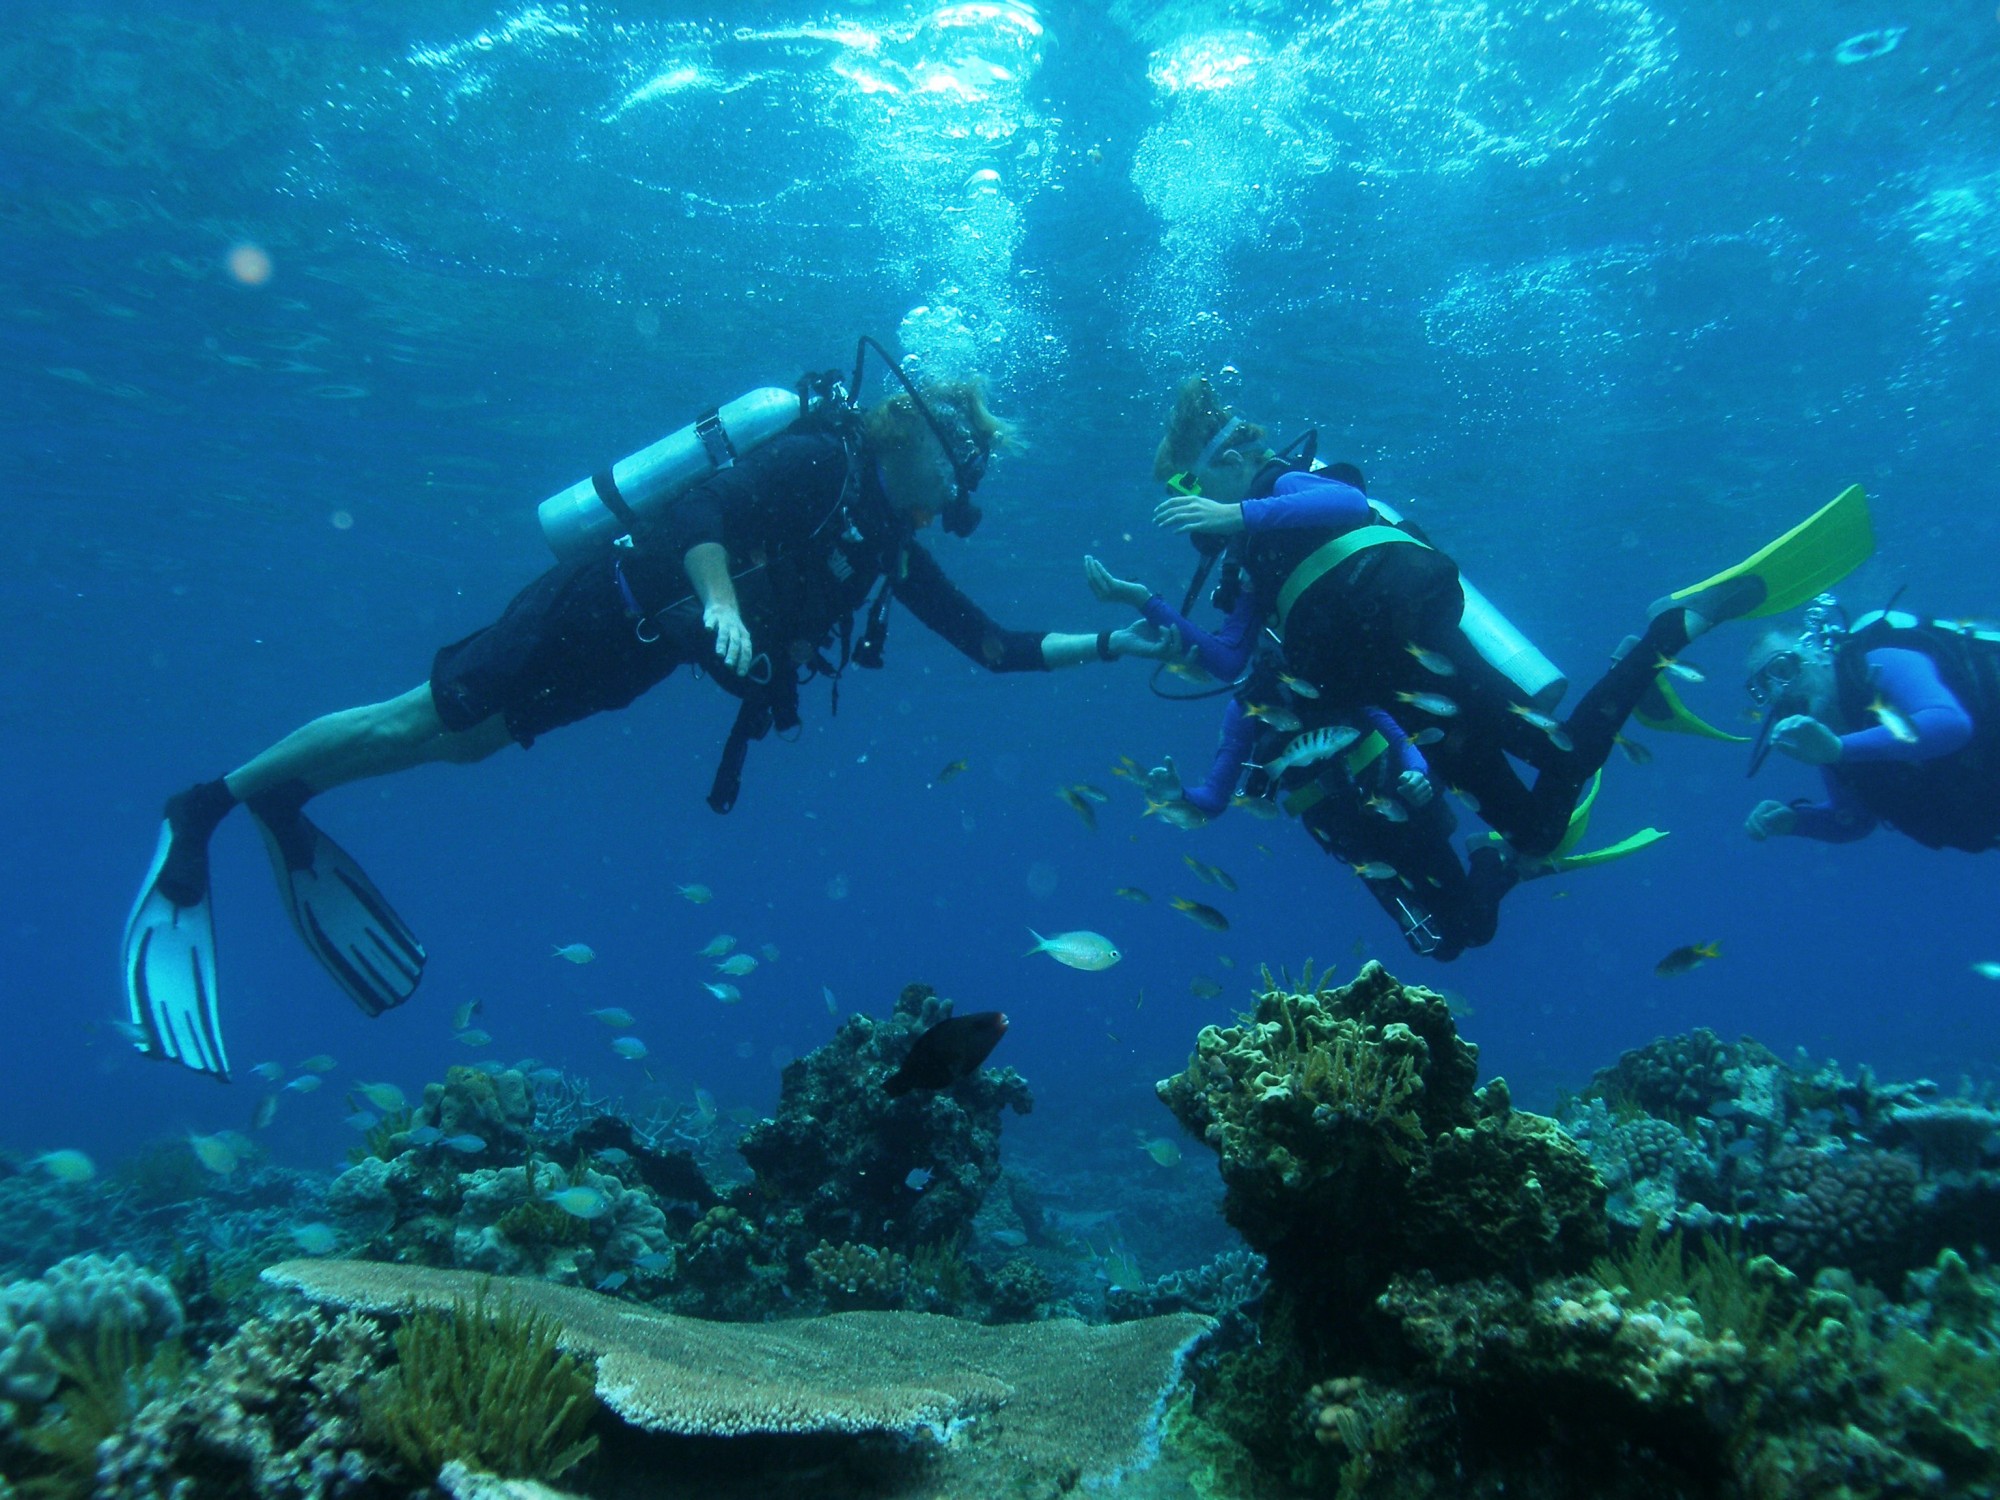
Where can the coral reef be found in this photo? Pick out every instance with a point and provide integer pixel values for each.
(1078, 1402)
(858, 1275)
(62, 1314)
(273, 1413)
(483, 1383)
(834, 1164)
(1354, 1146)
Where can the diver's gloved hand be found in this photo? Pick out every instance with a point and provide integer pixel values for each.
(1770, 819)
(1111, 589)
(1142, 638)
(732, 636)
(1163, 782)
(1804, 738)
(1193, 513)
(1414, 788)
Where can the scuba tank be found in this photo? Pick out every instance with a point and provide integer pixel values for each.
(613, 502)
(1500, 641)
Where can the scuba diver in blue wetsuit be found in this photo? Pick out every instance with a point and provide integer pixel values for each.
(1371, 617)
(1902, 716)
(743, 546)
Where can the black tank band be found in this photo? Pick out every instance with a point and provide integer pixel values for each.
(607, 491)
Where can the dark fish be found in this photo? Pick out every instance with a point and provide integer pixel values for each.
(948, 1052)
(1207, 916)
(948, 772)
(1693, 956)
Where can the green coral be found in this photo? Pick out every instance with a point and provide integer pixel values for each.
(535, 1225)
(105, 1380)
(488, 1386)
(1353, 1144)
(1754, 1299)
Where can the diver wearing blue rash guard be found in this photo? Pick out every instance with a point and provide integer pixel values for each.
(1901, 715)
(1373, 806)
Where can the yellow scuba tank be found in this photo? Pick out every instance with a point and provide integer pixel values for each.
(609, 504)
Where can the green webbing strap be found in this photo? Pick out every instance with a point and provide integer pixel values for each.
(1354, 762)
(1363, 754)
(1331, 556)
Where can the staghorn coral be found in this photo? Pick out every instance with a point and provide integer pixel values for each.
(1080, 1402)
(831, 1163)
(485, 1384)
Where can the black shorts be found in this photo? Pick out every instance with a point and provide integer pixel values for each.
(565, 648)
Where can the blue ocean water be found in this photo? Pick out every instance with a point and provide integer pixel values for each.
(1604, 294)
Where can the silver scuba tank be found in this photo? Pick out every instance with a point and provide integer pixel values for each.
(598, 510)
(1496, 638)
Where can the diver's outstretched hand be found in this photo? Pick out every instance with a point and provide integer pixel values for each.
(1143, 638)
(1193, 513)
(1111, 589)
(732, 636)
(1804, 738)
(1163, 782)
(1414, 788)
(1769, 819)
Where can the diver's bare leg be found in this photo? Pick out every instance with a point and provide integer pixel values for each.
(373, 740)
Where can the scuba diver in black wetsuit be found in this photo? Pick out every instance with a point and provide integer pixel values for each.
(1369, 612)
(1902, 716)
(750, 565)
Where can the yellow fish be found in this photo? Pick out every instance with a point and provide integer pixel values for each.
(948, 772)
(1132, 893)
(1078, 806)
(1207, 916)
(1693, 956)
(1162, 1150)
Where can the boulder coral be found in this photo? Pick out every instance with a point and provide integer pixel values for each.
(834, 1162)
(1354, 1145)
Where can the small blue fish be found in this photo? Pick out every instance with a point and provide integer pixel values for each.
(305, 1083)
(475, 1037)
(576, 953)
(270, 1072)
(654, 1260)
(612, 1282)
(613, 1156)
(423, 1135)
(579, 1202)
(737, 965)
(728, 994)
(546, 1075)
(629, 1047)
(384, 1096)
(718, 946)
(361, 1119)
(466, 1145)
(918, 1180)
(314, 1239)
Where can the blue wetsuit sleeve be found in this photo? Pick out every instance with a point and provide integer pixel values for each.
(1308, 500)
(1404, 756)
(1908, 682)
(1238, 731)
(1223, 654)
(1841, 819)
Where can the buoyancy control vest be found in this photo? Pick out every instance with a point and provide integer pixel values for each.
(1953, 801)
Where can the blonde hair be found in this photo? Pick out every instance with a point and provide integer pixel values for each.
(1198, 416)
(894, 427)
